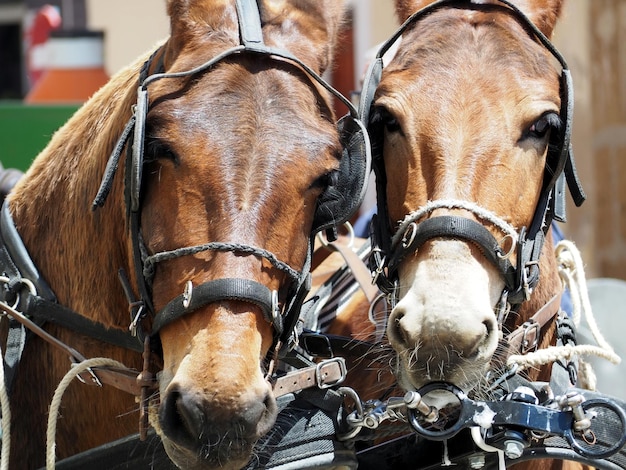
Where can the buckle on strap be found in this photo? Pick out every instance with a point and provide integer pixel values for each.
(530, 336)
(322, 375)
(330, 372)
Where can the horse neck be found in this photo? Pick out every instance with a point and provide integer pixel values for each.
(78, 251)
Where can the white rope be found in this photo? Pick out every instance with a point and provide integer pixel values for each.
(56, 401)
(472, 207)
(6, 419)
(572, 274)
(555, 353)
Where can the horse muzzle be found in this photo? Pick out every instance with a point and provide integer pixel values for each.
(205, 432)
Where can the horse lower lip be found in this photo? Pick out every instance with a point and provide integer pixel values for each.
(212, 452)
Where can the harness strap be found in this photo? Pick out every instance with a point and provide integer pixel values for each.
(359, 270)
(327, 345)
(15, 261)
(46, 311)
(449, 226)
(123, 379)
(238, 289)
(526, 337)
(322, 375)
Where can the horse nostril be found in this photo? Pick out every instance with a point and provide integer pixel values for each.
(181, 417)
(490, 327)
(397, 331)
(482, 340)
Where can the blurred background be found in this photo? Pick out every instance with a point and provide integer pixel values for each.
(93, 39)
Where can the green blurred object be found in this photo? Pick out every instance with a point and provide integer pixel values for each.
(26, 129)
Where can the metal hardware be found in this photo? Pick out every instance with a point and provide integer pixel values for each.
(187, 294)
(320, 375)
(530, 337)
(133, 324)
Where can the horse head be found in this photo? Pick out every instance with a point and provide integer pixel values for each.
(239, 162)
(470, 120)
(229, 162)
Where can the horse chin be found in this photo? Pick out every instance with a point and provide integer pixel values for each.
(467, 376)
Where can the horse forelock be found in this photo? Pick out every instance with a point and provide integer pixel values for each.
(543, 13)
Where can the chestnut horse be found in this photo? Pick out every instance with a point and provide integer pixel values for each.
(235, 162)
(470, 125)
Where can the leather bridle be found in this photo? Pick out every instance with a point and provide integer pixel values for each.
(246, 290)
(392, 246)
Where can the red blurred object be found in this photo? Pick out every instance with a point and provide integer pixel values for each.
(46, 19)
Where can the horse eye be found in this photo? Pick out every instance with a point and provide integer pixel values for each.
(542, 127)
(383, 117)
(157, 149)
(390, 122)
(392, 125)
(326, 180)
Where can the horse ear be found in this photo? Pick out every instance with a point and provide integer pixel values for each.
(543, 13)
(320, 20)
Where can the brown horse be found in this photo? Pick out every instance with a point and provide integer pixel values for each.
(240, 155)
(470, 127)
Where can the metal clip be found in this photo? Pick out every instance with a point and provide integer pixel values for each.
(92, 375)
(187, 294)
(133, 324)
(409, 235)
(380, 265)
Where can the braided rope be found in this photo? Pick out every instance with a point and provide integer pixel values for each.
(472, 207)
(151, 261)
(6, 419)
(572, 274)
(56, 401)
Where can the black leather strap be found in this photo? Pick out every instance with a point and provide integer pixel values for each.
(244, 290)
(15, 261)
(44, 311)
(453, 227)
(250, 31)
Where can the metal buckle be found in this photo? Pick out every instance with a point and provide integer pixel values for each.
(320, 375)
(530, 337)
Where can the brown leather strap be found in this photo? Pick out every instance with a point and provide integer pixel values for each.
(526, 337)
(126, 380)
(123, 379)
(325, 374)
(357, 266)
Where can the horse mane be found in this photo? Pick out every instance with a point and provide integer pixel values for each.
(64, 178)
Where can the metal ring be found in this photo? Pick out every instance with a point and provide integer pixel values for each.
(507, 254)
(325, 243)
(27, 282)
(412, 230)
(448, 432)
(604, 452)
